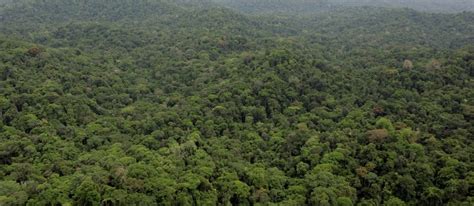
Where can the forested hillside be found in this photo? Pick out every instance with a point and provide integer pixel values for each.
(157, 102)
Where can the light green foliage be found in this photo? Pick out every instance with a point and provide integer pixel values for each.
(87, 193)
(384, 123)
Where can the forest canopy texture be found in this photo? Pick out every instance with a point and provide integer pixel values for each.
(149, 102)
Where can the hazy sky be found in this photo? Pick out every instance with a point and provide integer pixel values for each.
(426, 5)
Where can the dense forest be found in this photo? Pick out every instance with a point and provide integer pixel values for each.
(155, 102)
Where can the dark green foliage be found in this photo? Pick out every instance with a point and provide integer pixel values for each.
(169, 103)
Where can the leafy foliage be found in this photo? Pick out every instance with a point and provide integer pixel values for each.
(171, 103)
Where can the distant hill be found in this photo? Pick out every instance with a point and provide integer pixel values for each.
(311, 6)
(421, 5)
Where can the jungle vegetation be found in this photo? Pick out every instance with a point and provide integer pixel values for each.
(149, 102)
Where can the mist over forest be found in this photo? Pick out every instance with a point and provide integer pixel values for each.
(312, 5)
